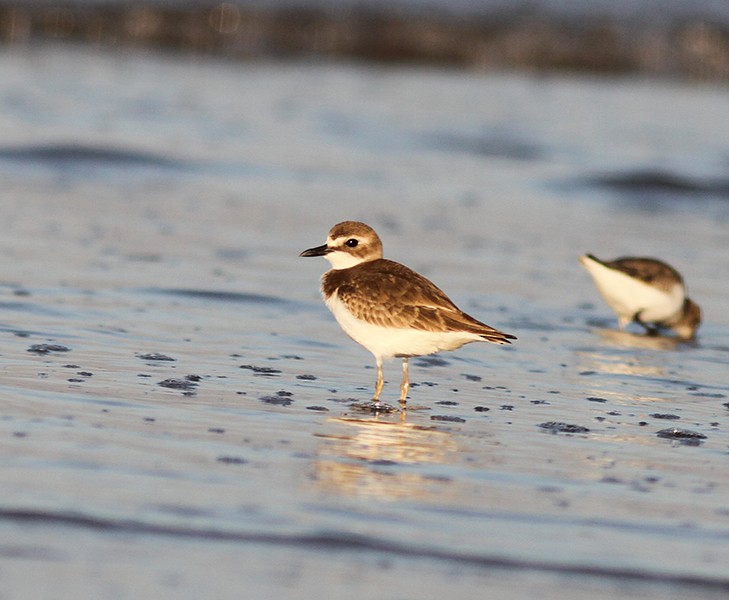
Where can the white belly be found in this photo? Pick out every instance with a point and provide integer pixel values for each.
(385, 342)
(628, 296)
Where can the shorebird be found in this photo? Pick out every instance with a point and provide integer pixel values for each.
(647, 291)
(387, 307)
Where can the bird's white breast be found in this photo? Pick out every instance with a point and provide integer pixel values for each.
(386, 342)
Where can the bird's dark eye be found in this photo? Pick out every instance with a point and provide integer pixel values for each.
(351, 242)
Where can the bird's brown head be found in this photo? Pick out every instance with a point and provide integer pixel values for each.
(349, 243)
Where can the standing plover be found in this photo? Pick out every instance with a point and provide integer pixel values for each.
(388, 308)
(647, 291)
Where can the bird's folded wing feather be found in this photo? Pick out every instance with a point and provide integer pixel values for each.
(649, 271)
(405, 299)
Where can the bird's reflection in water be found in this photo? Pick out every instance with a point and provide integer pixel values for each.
(621, 354)
(618, 356)
(381, 458)
(634, 340)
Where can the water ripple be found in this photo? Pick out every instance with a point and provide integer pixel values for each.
(346, 541)
(77, 154)
(486, 146)
(219, 296)
(651, 181)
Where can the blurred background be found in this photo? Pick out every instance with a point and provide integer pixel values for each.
(666, 37)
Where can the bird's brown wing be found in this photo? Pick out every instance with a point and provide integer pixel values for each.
(403, 299)
(648, 270)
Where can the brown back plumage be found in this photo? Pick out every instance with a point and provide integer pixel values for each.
(650, 270)
(414, 302)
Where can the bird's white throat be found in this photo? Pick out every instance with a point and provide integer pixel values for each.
(342, 260)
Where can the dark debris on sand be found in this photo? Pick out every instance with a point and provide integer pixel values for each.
(189, 383)
(561, 427)
(374, 407)
(447, 418)
(156, 356)
(282, 398)
(47, 348)
(684, 436)
(265, 371)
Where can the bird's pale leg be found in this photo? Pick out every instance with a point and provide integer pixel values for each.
(380, 381)
(405, 385)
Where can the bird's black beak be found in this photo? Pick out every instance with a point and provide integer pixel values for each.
(318, 251)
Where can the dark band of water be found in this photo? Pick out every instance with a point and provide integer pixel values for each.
(81, 153)
(341, 541)
(689, 42)
(219, 296)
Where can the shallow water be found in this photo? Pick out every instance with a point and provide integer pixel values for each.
(189, 428)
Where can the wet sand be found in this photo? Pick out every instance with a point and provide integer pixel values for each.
(176, 400)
